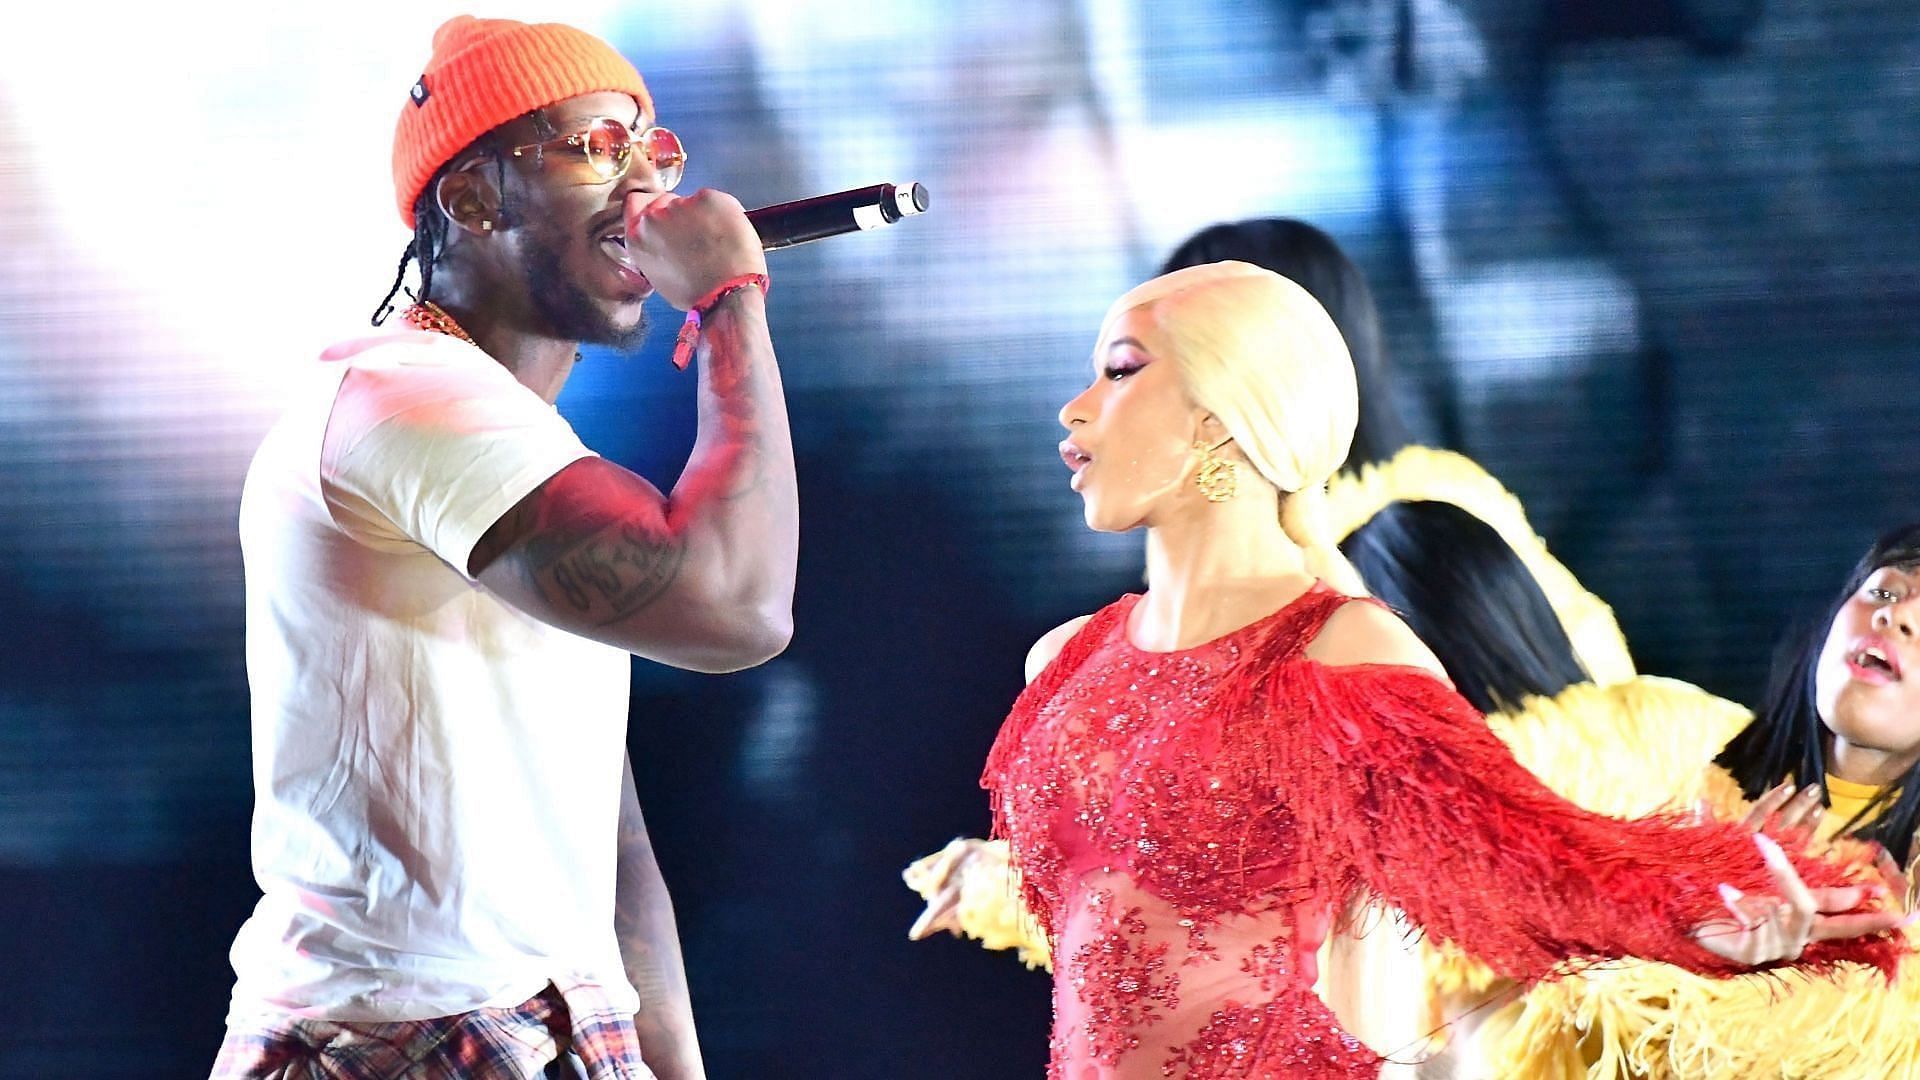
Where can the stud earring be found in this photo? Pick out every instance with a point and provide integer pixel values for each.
(486, 224)
(1218, 478)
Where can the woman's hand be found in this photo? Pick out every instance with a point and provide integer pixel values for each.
(1769, 928)
(1795, 811)
(1898, 880)
(939, 878)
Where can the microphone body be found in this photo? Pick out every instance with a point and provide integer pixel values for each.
(784, 225)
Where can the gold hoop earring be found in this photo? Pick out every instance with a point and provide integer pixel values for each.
(1218, 478)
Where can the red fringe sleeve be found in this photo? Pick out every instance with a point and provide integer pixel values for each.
(1396, 779)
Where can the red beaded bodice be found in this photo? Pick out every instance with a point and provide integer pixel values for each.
(1185, 823)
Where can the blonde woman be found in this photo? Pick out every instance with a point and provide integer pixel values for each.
(1373, 980)
(1199, 779)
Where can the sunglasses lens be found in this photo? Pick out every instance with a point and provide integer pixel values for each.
(669, 158)
(609, 148)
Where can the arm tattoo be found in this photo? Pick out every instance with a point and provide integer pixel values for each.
(750, 459)
(614, 570)
(737, 407)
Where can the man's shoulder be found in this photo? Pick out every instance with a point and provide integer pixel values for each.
(404, 350)
(311, 388)
(385, 375)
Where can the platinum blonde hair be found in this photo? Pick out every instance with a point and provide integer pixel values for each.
(1260, 353)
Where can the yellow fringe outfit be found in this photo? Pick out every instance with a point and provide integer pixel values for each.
(990, 909)
(1642, 1020)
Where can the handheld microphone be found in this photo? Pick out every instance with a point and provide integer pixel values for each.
(786, 224)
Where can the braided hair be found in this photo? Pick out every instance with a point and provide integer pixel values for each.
(429, 238)
(430, 225)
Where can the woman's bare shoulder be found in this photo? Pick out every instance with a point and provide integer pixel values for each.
(1050, 644)
(1364, 633)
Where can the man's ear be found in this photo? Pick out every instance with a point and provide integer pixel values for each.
(469, 198)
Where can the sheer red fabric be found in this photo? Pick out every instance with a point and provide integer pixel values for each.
(1185, 823)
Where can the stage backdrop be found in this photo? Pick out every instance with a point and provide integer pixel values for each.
(1653, 264)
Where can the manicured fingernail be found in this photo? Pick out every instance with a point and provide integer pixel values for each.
(1912, 917)
(1875, 891)
(1768, 848)
(1811, 793)
(1730, 894)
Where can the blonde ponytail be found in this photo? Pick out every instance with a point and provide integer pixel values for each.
(1303, 517)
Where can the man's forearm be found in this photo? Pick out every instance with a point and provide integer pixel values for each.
(650, 948)
(701, 579)
(736, 500)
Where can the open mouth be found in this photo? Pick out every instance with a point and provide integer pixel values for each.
(613, 244)
(1874, 659)
(1076, 458)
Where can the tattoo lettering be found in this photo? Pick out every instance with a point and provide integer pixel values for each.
(609, 574)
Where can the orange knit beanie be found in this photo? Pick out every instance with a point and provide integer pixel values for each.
(485, 72)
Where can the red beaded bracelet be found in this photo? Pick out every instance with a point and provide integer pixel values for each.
(689, 338)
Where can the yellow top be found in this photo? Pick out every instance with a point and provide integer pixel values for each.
(1845, 801)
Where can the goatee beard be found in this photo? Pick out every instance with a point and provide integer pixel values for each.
(566, 309)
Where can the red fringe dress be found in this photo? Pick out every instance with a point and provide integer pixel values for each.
(1185, 824)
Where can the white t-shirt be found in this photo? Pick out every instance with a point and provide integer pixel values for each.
(436, 774)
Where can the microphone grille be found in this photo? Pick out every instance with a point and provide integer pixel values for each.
(910, 198)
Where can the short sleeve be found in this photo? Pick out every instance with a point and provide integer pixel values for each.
(433, 446)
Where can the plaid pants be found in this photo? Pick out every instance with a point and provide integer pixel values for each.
(554, 1035)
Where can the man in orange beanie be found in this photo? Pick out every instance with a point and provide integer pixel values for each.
(444, 587)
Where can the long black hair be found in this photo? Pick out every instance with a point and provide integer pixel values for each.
(1311, 259)
(1789, 739)
(1470, 598)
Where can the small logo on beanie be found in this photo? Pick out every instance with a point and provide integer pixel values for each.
(420, 93)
